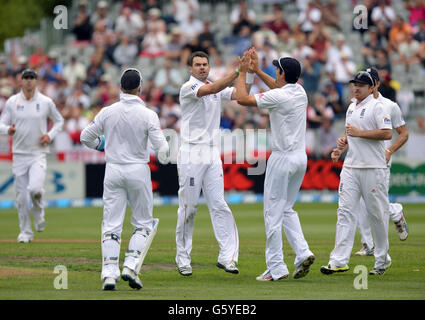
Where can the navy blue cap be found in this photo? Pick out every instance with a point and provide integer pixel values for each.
(131, 79)
(29, 73)
(363, 77)
(373, 73)
(290, 66)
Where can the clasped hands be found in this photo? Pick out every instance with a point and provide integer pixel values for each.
(249, 61)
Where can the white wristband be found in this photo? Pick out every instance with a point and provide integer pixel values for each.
(250, 78)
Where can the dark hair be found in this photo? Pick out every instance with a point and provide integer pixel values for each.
(133, 91)
(131, 79)
(198, 54)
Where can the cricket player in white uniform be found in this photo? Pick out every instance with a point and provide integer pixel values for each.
(363, 175)
(287, 106)
(396, 209)
(200, 167)
(124, 128)
(25, 117)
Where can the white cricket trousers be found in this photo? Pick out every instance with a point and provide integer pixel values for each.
(122, 183)
(200, 168)
(369, 184)
(395, 214)
(284, 175)
(29, 174)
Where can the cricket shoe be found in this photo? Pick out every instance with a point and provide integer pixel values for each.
(402, 227)
(303, 269)
(329, 269)
(267, 276)
(365, 251)
(380, 271)
(24, 239)
(108, 284)
(132, 278)
(185, 270)
(228, 267)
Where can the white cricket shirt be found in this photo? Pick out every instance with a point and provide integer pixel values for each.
(30, 120)
(200, 120)
(395, 115)
(397, 119)
(288, 110)
(370, 114)
(127, 125)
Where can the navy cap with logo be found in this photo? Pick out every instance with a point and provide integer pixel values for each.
(290, 66)
(374, 73)
(131, 79)
(363, 77)
(29, 73)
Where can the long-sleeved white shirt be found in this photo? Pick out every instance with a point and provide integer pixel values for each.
(30, 120)
(127, 125)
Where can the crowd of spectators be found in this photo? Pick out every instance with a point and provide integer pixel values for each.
(143, 34)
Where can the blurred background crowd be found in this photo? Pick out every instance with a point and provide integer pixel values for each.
(82, 74)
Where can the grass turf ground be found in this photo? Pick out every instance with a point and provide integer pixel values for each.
(72, 238)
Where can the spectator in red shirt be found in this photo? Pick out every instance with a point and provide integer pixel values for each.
(277, 22)
(132, 4)
(37, 59)
(417, 11)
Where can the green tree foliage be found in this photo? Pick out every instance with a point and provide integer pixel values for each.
(18, 15)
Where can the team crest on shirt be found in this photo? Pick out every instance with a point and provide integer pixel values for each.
(386, 120)
(193, 87)
(20, 108)
(362, 113)
(349, 112)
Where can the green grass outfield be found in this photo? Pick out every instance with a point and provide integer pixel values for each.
(72, 239)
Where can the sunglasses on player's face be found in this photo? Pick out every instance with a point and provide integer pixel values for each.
(28, 77)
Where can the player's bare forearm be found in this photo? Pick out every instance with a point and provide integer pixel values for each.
(234, 93)
(242, 95)
(269, 81)
(218, 85)
(248, 87)
(378, 134)
(403, 136)
(224, 82)
(241, 91)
